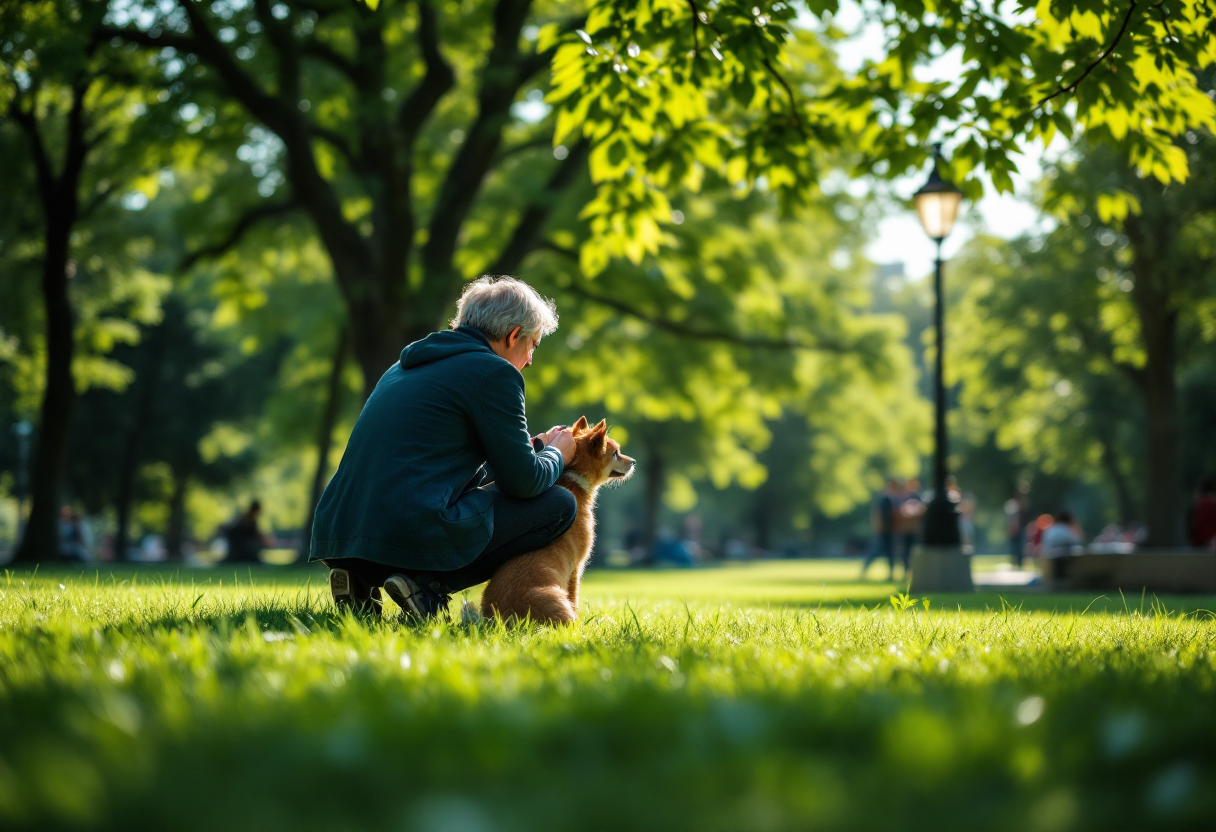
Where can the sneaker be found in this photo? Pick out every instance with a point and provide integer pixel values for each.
(417, 602)
(353, 594)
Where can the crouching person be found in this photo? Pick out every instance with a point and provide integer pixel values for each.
(441, 482)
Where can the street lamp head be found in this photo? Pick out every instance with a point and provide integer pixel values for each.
(937, 202)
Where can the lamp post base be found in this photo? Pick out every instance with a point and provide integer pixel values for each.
(941, 569)
(941, 523)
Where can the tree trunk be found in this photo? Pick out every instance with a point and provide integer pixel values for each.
(176, 534)
(325, 435)
(1164, 505)
(762, 517)
(41, 539)
(378, 332)
(126, 494)
(148, 380)
(59, 195)
(656, 477)
(1124, 502)
(375, 341)
(1153, 234)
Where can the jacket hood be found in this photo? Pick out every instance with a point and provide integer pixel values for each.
(440, 345)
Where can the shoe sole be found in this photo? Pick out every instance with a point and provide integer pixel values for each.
(341, 587)
(401, 588)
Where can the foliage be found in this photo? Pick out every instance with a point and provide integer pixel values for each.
(666, 91)
(1063, 340)
(111, 286)
(742, 321)
(190, 700)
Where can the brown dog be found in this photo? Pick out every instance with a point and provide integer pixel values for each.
(544, 584)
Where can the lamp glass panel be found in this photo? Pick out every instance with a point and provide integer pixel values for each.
(937, 212)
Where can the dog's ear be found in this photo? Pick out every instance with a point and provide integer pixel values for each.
(596, 436)
(580, 425)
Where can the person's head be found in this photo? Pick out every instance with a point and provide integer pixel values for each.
(510, 313)
(255, 508)
(65, 512)
(1064, 516)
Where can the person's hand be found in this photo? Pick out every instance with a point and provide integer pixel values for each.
(563, 440)
(547, 436)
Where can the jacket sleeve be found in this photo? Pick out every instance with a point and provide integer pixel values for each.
(498, 415)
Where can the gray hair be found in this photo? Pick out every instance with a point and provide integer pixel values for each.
(495, 305)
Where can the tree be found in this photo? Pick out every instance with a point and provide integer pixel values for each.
(1166, 257)
(74, 110)
(389, 127)
(1076, 345)
(187, 385)
(395, 120)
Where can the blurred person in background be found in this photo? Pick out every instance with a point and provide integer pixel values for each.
(75, 540)
(1017, 516)
(1035, 540)
(953, 494)
(1201, 520)
(966, 521)
(882, 520)
(908, 518)
(245, 539)
(1061, 536)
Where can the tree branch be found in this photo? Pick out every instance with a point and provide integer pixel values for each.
(696, 22)
(531, 222)
(344, 243)
(327, 54)
(98, 200)
(242, 227)
(523, 147)
(278, 32)
(439, 78)
(338, 142)
(29, 125)
(78, 147)
(1091, 341)
(1165, 21)
(501, 78)
(696, 333)
(1071, 88)
(768, 65)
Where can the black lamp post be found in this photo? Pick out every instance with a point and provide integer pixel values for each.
(937, 205)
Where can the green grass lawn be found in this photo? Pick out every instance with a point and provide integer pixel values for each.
(773, 696)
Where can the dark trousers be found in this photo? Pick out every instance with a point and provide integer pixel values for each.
(908, 541)
(1017, 548)
(520, 526)
(884, 547)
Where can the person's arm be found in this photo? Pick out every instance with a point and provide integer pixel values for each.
(498, 414)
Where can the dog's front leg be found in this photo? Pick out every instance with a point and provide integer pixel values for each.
(572, 588)
(576, 580)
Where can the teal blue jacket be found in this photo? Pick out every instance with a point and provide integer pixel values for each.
(413, 487)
